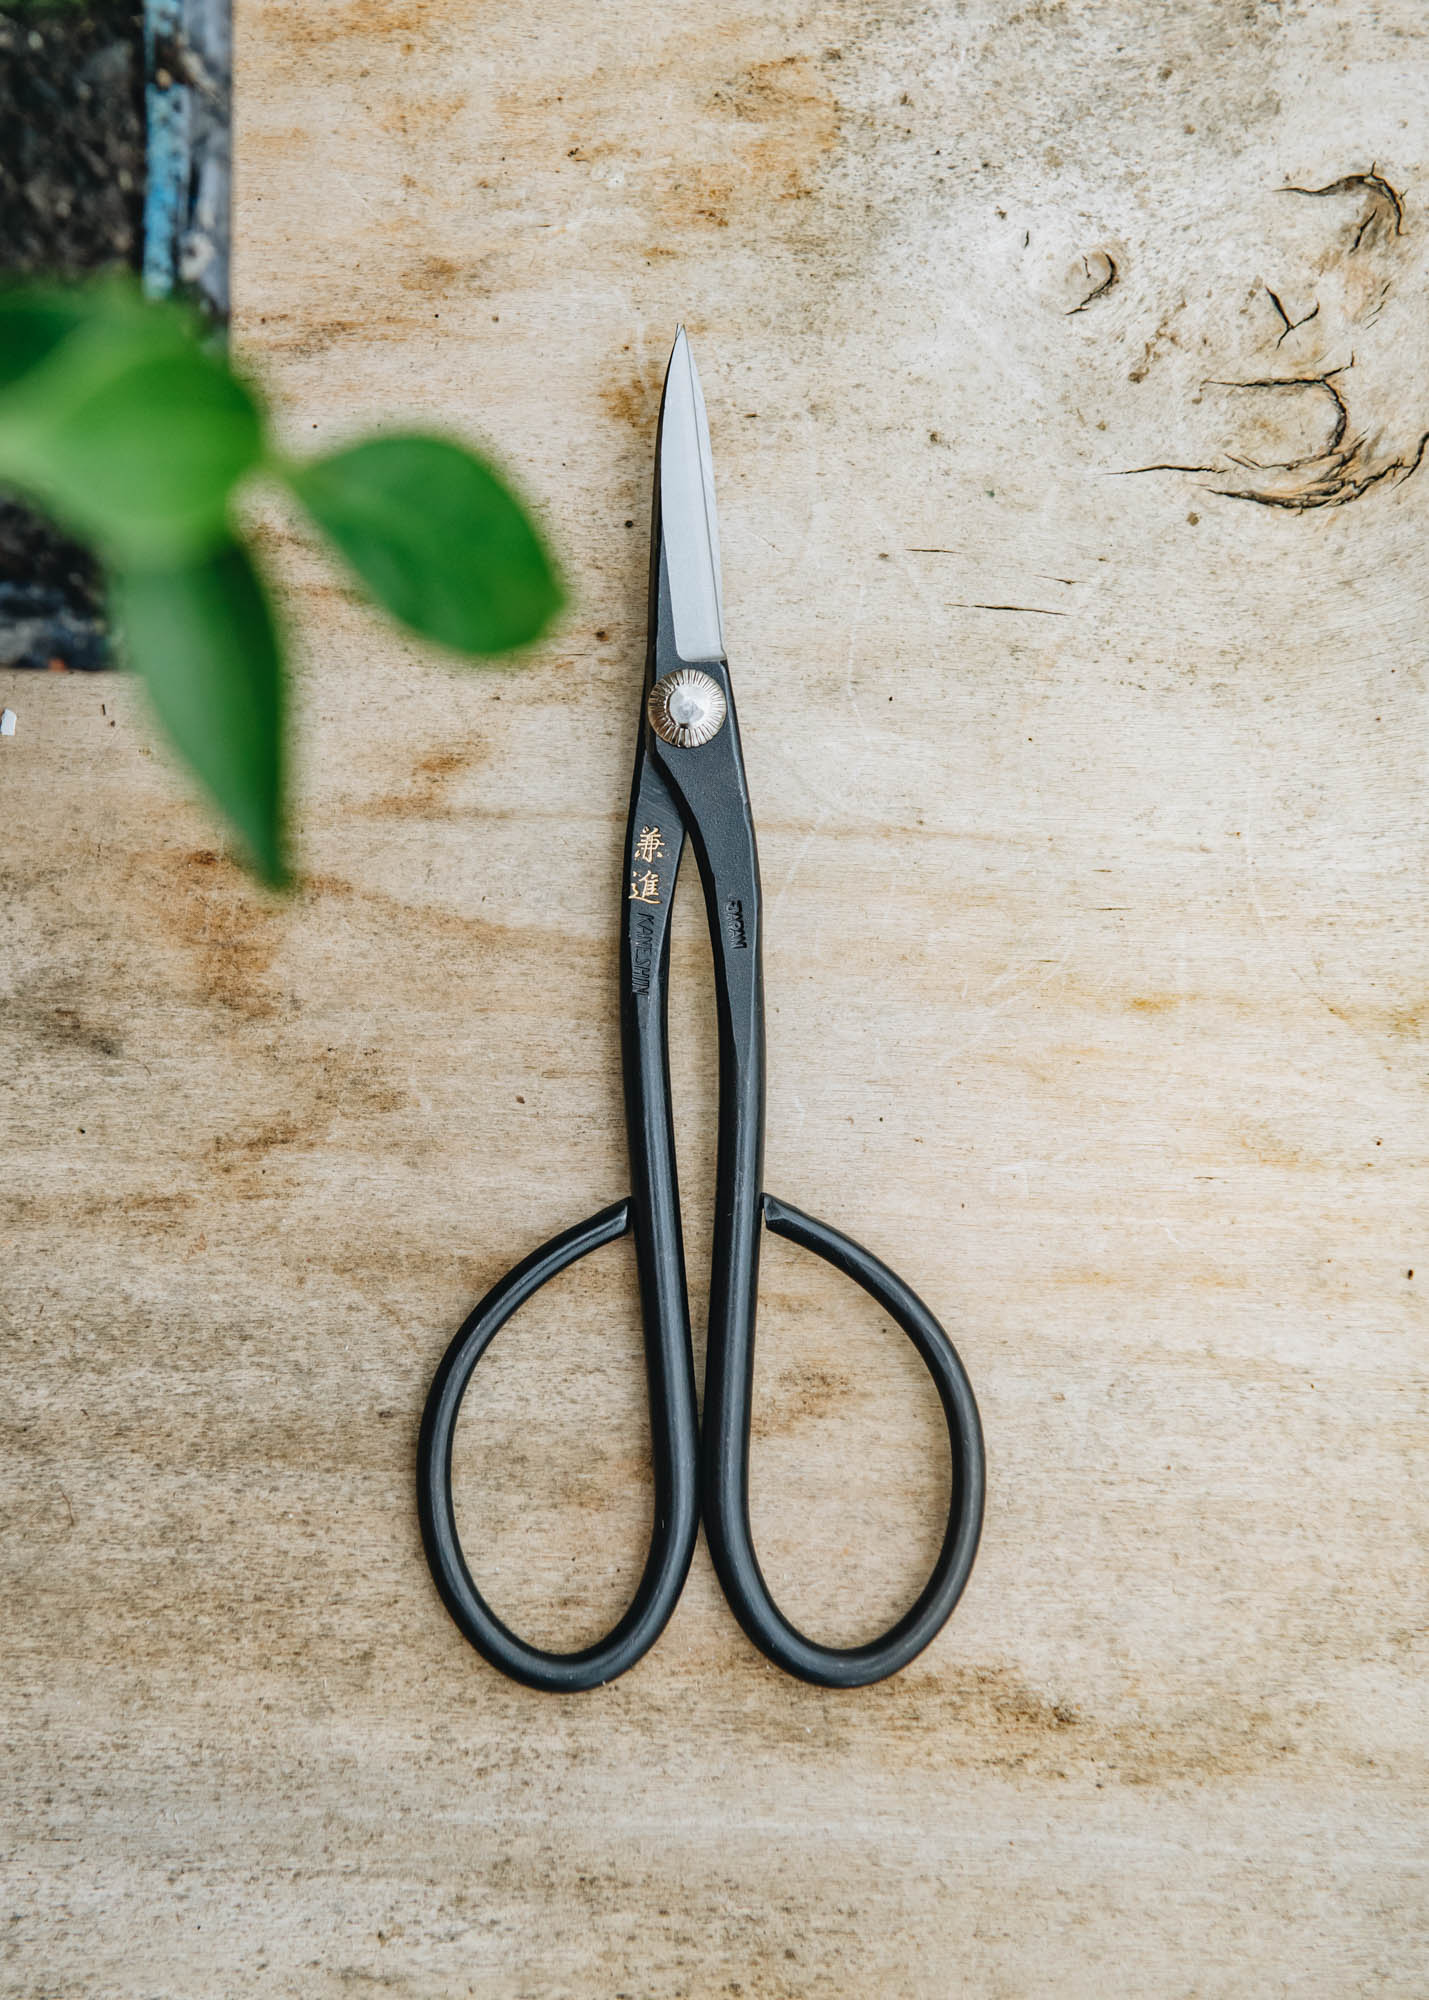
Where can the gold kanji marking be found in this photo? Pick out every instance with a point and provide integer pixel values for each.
(649, 847)
(645, 887)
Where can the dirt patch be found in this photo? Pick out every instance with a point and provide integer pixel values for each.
(427, 794)
(757, 138)
(331, 1084)
(778, 121)
(204, 902)
(402, 21)
(632, 396)
(990, 1718)
(803, 1396)
(794, 122)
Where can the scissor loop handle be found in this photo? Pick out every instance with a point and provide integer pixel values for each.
(725, 1483)
(725, 1487)
(676, 1497)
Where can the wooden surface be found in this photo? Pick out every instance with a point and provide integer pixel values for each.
(1093, 821)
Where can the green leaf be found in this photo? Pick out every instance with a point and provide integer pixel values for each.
(437, 538)
(126, 429)
(32, 325)
(202, 636)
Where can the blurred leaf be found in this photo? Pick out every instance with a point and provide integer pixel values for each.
(126, 429)
(202, 636)
(436, 537)
(32, 325)
(118, 420)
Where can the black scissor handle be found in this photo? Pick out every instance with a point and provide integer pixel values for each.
(673, 1445)
(725, 1482)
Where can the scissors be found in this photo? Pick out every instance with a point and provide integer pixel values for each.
(690, 785)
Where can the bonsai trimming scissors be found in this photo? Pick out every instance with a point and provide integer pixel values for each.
(689, 783)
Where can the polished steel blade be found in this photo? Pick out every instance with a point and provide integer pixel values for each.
(687, 511)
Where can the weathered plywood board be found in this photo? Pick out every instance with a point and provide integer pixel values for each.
(1094, 830)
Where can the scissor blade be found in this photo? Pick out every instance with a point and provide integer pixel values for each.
(687, 511)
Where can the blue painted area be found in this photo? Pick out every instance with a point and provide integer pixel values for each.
(188, 67)
(167, 114)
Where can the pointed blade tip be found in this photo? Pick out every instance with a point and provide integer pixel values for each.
(689, 523)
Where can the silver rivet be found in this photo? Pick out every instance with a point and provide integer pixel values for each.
(687, 708)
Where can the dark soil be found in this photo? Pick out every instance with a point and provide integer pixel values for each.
(51, 596)
(71, 136)
(71, 202)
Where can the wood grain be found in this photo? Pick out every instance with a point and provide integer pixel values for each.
(1092, 810)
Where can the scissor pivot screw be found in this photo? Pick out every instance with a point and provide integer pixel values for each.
(687, 708)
